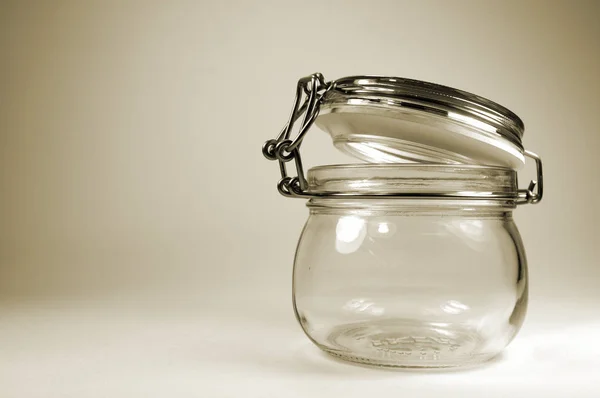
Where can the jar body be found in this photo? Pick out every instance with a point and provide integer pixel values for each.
(409, 282)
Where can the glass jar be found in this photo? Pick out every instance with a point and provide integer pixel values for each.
(412, 259)
(415, 282)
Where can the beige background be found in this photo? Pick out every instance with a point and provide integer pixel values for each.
(130, 137)
(130, 132)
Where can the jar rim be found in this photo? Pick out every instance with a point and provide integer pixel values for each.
(414, 180)
(408, 166)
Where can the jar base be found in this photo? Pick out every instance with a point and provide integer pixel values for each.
(406, 344)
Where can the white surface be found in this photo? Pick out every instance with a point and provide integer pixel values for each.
(127, 349)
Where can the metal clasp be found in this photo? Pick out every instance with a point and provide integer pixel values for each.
(284, 149)
(531, 195)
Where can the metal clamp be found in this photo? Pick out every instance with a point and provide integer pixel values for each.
(310, 92)
(284, 149)
(531, 195)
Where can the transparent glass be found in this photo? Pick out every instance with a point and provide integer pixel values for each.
(412, 282)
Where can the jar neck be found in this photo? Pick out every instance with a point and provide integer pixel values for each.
(421, 206)
(480, 185)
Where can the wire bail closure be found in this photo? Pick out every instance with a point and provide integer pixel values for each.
(283, 149)
(531, 195)
(309, 95)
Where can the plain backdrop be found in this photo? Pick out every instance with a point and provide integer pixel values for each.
(131, 169)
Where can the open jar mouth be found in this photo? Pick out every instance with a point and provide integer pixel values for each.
(413, 181)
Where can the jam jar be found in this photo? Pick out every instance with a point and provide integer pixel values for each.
(410, 258)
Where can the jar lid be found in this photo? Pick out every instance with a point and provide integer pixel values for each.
(382, 119)
(396, 120)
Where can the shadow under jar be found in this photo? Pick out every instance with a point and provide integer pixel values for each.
(413, 258)
(415, 282)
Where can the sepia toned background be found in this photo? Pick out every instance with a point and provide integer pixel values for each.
(131, 176)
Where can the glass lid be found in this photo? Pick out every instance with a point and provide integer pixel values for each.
(396, 120)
